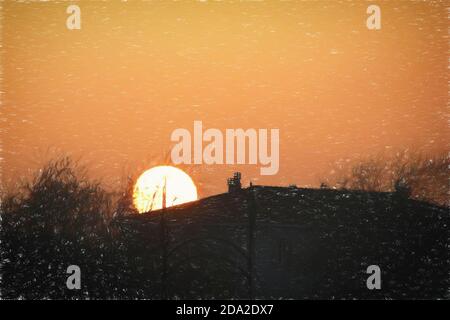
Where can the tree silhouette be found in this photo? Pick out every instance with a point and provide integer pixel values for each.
(424, 177)
(56, 220)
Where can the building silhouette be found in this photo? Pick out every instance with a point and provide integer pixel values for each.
(287, 242)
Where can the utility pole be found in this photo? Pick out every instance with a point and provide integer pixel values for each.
(251, 244)
(164, 244)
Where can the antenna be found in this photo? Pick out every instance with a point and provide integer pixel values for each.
(164, 193)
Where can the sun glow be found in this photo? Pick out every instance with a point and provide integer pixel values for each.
(150, 186)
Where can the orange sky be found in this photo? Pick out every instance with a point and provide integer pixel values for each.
(114, 91)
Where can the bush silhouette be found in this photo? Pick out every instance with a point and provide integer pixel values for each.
(55, 220)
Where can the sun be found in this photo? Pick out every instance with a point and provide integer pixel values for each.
(149, 188)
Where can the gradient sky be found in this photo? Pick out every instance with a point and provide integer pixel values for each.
(112, 92)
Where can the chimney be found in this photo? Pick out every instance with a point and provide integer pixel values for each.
(234, 183)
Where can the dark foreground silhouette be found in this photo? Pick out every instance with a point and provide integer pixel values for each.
(260, 242)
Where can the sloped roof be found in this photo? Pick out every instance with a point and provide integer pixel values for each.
(291, 205)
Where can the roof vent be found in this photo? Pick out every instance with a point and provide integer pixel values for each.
(234, 183)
